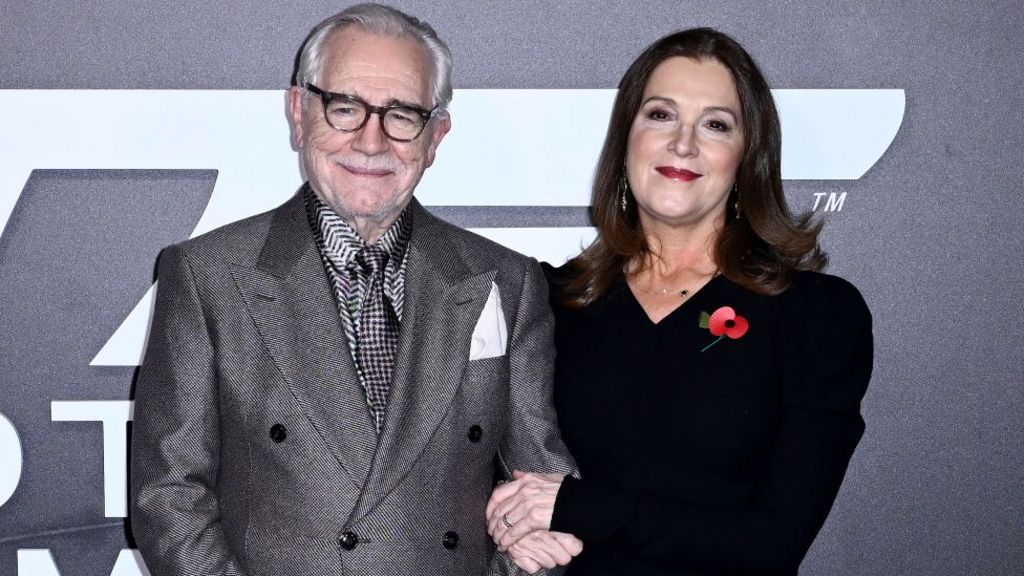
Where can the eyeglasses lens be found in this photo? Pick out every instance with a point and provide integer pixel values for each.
(349, 115)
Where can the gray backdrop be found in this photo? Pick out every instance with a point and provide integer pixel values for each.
(930, 235)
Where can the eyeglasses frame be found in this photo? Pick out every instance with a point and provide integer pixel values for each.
(380, 111)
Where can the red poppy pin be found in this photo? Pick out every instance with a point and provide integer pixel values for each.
(723, 322)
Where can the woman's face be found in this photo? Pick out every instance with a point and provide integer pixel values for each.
(685, 144)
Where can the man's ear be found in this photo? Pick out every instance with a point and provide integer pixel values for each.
(295, 115)
(441, 127)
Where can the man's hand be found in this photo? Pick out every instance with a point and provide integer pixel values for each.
(521, 507)
(544, 549)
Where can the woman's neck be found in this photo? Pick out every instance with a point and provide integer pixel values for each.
(675, 251)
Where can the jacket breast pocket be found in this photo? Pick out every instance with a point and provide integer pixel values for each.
(482, 402)
(488, 370)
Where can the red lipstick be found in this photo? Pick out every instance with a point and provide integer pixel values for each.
(677, 173)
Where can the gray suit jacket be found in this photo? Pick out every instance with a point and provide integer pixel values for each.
(253, 451)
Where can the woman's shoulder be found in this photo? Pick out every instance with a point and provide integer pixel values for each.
(825, 341)
(561, 274)
(810, 288)
(824, 307)
(557, 279)
(561, 281)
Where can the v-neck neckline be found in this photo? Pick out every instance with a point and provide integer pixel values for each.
(675, 311)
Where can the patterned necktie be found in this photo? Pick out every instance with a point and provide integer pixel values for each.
(377, 333)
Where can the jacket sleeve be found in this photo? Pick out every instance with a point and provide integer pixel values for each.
(820, 427)
(532, 442)
(175, 451)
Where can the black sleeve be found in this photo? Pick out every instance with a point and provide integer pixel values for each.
(824, 351)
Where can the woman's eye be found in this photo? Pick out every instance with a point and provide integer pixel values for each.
(718, 126)
(659, 115)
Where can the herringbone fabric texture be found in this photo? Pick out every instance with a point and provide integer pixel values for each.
(253, 451)
(376, 332)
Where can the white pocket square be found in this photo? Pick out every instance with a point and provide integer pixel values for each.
(490, 334)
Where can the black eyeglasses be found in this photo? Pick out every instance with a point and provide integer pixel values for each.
(399, 122)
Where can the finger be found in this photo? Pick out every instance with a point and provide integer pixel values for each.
(512, 512)
(489, 519)
(517, 532)
(525, 517)
(506, 510)
(516, 509)
(501, 493)
(491, 529)
(503, 541)
(517, 474)
(555, 548)
(506, 537)
(494, 524)
(506, 521)
(535, 548)
(492, 503)
(568, 542)
(496, 527)
(526, 563)
(500, 529)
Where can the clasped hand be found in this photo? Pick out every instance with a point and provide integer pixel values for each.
(519, 520)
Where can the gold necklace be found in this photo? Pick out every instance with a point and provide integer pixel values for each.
(681, 292)
(665, 292)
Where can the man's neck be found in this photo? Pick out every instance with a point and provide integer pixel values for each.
(370, 229)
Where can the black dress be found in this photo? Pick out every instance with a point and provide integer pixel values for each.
(707, 455)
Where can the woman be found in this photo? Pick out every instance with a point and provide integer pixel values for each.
(708, 377)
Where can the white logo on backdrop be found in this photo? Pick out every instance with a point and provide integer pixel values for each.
(506, 148)
(10, 455)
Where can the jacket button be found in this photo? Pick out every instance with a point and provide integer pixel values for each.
(475, 433)
(278, 433)
(348, 540)
(450, 540)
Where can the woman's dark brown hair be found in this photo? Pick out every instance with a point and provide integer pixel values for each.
(761, 248)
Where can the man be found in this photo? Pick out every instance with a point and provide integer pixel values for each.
(331, 387)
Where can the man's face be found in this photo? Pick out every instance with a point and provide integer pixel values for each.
(364, 174)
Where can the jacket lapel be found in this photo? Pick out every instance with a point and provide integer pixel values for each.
(294, 308)
(443, 300)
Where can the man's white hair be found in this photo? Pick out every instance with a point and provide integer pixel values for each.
(379, 20)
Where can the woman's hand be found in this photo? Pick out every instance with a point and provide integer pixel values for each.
(522, 506)
(543, 549)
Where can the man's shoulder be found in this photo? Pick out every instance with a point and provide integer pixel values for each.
(475, 248)
(240, 241)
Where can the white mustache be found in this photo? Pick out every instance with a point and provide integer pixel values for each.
(371, 163)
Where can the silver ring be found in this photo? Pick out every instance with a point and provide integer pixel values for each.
(504, 520)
